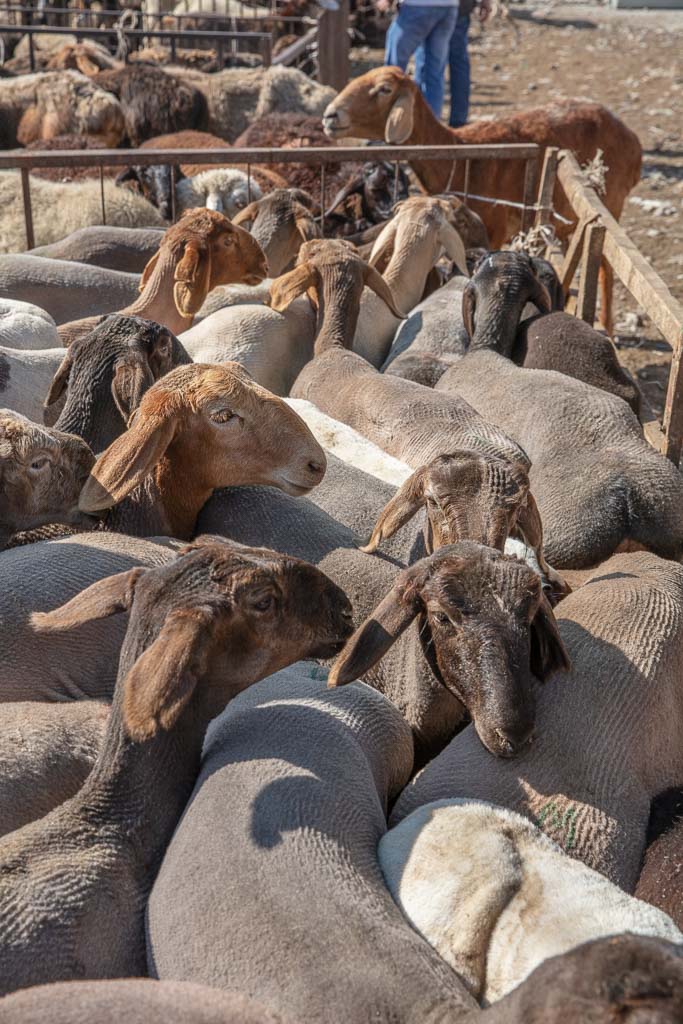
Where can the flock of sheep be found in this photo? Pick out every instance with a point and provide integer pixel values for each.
(341, 593)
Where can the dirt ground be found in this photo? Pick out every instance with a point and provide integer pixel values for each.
(632, 61)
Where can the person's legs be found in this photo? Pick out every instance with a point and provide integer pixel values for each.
(407, 31)
(436, 47)
(459, 63)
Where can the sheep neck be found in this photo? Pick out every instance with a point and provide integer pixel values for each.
(141, 788)
(338, 308)
(429, 131)
(156, 301)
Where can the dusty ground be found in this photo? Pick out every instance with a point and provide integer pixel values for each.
(633, 62)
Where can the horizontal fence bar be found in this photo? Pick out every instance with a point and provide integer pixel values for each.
(16, 158)
(294, 50)
(136, 33)
(156, 15)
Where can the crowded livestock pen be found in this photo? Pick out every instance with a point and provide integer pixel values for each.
(341, 553)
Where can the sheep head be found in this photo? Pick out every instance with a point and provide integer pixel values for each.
(333, 274)
(486, 629)
(421, 231)
(210, 426)
(207, 625)
(280, 222)
(42, 472)
(224, 189)
(378, 104)
(205, 250)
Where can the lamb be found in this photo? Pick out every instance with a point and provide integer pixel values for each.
(589, 778)
(222, 188)
(201, 629)
(42, 472)
(598, 483)
(104, 375)
(302, 817)
(386, 103)
(65, 290)
(480, 884)
(59, 209)
(122, 249)
(276, 343)
(153, 100)
(25, 326)
(40, 106)
(47, 752)
(199, 252)
(138, 1000)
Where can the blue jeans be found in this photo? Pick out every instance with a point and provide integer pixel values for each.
(430, 28)
(459, 64)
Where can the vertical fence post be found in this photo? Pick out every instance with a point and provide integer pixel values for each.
(31, 52)
(466, 185)
(28, 213)
(590, 265)
(672, 421)
(173, 184)
(333, 46)
(529, 198)
(104, 212)
(322, 200)
(546, 187)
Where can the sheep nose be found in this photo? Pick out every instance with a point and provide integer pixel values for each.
(511, 741)
(316, 468)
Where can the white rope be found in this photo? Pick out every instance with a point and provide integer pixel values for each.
(506, 202)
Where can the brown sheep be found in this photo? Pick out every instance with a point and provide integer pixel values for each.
(70, 141)
(299, 131)
(42, 472)
(153, 100)
(198, 253)
(661, 878)
(386, 103)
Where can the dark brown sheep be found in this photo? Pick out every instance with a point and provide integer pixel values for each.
(70, 173)
(154, 101)
(661, 880)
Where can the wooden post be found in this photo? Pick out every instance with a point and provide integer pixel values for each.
(546, 187)
(572, 256)
(590, 265)
(28, 212)
(672, 422)
(529, 198)
(333, 46)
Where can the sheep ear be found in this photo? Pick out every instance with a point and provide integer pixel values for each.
(469, 303)
(541, 297)
(530, 527)
(455, 250)
(192, 277)
(132, 377)
(383, 249)
(59, 381)
(374, 280)
(163, 679)
(247, 215)
(126, 463)
(348, 189)
(372, 640)
(149, 270)
(407, 501)
(99, 601)
(291, 285)
(86, 66)
(548, 653)
(399, 124)
(306, 225)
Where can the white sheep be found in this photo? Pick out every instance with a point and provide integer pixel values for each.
(496, 897)
(224, 189)
(25, 326)
(350, 446)
(58, 209)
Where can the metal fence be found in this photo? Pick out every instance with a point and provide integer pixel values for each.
(23, 160)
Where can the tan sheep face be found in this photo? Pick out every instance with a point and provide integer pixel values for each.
(42, 472)
(363, 108)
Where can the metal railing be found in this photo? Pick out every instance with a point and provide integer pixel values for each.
(23, 160)
(261, 40)
(41, 16)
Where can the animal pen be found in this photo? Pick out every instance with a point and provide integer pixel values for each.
(596, 237)
(325, 40)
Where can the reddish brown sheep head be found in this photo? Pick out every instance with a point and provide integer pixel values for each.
(378, 104)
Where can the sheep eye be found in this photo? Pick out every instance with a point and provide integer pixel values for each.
(441, 618)
(265, 604)
(223, 416)
(384, 90)
(40, 463)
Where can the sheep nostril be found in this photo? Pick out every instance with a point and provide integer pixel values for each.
(315, 467)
